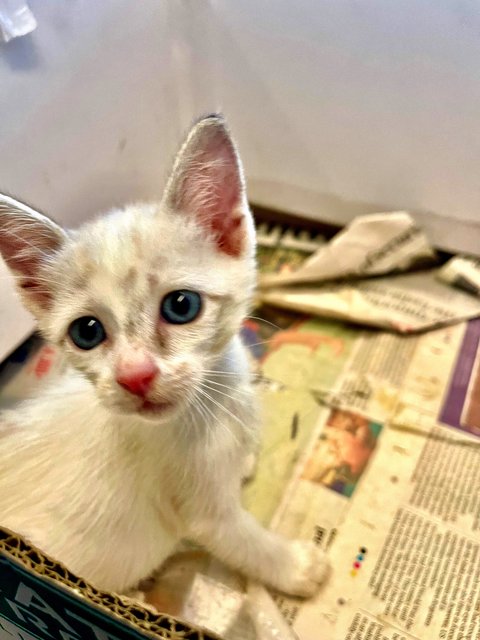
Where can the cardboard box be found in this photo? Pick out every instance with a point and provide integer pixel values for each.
(41, 600)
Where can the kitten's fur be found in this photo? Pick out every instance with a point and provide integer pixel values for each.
(85, 474)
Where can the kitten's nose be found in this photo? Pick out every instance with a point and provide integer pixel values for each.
(136, 376)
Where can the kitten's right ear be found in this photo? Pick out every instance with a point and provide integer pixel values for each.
(207, 184)
(28, 241)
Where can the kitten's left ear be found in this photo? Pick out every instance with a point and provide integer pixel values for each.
(28, 240)
(207, 183)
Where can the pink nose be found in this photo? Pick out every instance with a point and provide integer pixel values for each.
(137, 377)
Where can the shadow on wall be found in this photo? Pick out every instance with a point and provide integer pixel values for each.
(21, 54)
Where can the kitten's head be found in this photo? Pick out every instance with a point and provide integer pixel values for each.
(145, 299)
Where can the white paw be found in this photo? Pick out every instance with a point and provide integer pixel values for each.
(308, 569)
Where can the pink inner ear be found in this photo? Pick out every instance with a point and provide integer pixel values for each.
(211, 190)
(27, 266)
(17, 255)
(230, 238)
(23, 245)
(216, 209)
(36, 291)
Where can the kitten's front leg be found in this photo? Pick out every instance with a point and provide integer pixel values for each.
(235, 537)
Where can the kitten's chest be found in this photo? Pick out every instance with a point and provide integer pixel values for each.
(199, 473)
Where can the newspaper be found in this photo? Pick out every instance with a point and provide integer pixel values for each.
(462, 272)
(405, 303)
(389, 484)
(372, 245)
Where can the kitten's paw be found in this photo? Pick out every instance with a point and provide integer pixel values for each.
(309, 568)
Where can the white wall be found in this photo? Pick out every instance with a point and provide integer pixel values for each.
(340, 107)
(357, 105)
(87, 106)
(88, 116)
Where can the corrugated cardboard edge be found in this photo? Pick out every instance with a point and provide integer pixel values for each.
(139, 618)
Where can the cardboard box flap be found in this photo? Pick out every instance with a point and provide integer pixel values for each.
(40, 599)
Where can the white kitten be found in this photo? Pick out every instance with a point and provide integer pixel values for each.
(143, 442)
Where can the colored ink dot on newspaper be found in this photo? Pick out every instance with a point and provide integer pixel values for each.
(363, 550)
(353, 573)
(357, 565)
(360, 557)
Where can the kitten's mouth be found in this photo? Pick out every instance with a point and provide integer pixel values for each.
(155, 408)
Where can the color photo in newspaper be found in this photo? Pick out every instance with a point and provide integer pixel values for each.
(389, 482)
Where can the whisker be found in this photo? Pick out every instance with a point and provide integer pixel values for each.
(193, 416)
(255, 344)
(223, 373)
(221, 406)
(230, 373)
(227, 395)
(275, 326)
(226, 386)
(205, 411)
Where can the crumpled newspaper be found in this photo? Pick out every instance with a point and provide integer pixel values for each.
(462, 272)
(404, 303)
(372, 246)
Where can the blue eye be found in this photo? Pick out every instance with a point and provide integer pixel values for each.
(87, 332)
(180, 307)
